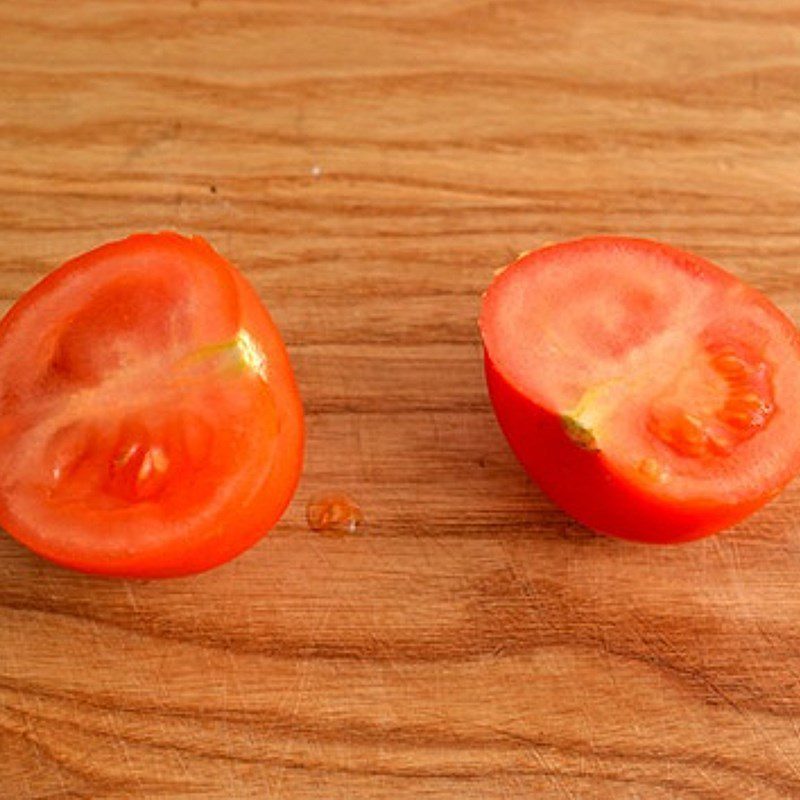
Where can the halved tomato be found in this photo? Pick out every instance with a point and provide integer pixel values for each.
(650, 393)
(150, 424)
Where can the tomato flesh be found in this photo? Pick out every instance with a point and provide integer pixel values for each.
(150, 424)
(646, 390)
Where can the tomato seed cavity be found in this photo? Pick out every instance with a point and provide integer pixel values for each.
(744, 410)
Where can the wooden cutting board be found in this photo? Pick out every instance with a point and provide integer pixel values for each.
(368, 165)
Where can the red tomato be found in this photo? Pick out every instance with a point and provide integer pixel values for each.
(651, 394)
(150, 424)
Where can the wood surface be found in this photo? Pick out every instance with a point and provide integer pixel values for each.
(368, 164)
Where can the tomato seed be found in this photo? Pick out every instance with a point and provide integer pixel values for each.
(652, 470)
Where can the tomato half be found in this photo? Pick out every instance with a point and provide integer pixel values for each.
(150, 424)
(650, 393)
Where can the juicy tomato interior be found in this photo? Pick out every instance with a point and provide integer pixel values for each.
(683, 379)
(149, 420)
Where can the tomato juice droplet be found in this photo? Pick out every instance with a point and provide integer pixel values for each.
(334, 513)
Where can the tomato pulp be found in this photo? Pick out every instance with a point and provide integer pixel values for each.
(150, 424)
(650, 393)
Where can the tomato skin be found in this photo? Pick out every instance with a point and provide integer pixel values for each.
(581, 482)
(587, 481)
(166, 545)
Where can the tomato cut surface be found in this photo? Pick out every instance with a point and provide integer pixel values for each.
(649, 392)
(150, 424)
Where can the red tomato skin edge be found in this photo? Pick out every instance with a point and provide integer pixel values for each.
(582, 483)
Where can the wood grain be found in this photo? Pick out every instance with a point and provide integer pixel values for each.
(368, 164)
